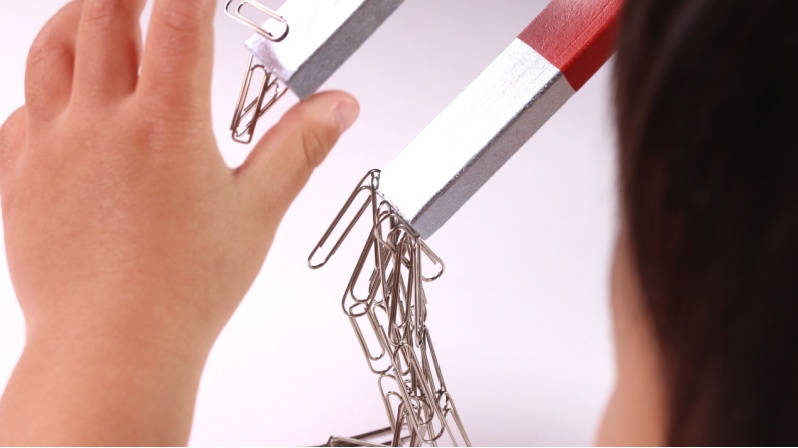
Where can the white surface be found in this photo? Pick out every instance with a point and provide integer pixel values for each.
(520, 319)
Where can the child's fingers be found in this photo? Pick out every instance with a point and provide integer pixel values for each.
(284, 159)
(49, 72)
(178, 55)
(108, 49)
(12, 140)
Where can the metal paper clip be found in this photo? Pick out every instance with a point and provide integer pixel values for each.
(270, 91)
(251, 24)
(373, 438)
(393, 315)
(365, 184)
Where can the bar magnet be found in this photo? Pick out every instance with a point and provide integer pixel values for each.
(493, 117)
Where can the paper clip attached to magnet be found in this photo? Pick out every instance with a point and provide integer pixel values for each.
(249, 112)
(251, 24)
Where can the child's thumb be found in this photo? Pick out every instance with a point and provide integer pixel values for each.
(282, 162)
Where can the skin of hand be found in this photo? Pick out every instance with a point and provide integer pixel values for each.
(130, 242)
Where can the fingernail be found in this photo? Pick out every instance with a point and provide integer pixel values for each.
(346, 113)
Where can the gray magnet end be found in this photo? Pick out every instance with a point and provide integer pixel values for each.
(322, 36)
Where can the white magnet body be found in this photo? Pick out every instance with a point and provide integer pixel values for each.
(322, 35)
(473, 137)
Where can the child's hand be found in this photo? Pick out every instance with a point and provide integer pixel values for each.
(130, 242)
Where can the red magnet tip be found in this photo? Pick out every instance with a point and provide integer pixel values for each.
(576, 36)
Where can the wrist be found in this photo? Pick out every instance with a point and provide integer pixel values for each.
(139, 313)
(105, 378)
(134, 326)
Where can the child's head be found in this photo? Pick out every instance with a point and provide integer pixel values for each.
(706, 104)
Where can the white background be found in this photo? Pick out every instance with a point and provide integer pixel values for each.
(520, 319)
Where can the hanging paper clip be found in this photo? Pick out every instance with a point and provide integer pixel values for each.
(248, 112)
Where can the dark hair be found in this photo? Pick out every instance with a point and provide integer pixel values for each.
(707, 110)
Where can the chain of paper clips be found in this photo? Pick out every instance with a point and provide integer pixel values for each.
(393, 310)
(250, 108)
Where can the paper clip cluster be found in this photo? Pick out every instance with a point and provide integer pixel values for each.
(389, 319)
(255, 99)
